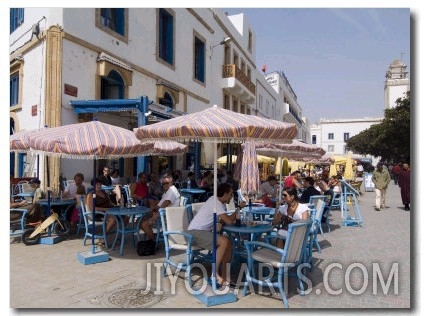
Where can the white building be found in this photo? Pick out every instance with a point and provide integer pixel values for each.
(289, 108)
(185, 59)
(331, 135)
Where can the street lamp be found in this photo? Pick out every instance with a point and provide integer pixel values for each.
(224, 41)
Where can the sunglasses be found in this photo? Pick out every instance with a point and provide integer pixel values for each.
(165, 183)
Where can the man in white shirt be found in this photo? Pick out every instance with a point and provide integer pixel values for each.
(201, 227)
(71, 189)
(170, 197)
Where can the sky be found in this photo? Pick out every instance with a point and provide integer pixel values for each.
(335, 59)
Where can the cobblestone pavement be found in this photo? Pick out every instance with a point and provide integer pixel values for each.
(351, 271)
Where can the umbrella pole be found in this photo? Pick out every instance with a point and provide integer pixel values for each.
(91, 256)
(213, 296)
(215, 189)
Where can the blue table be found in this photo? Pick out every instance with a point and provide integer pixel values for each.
(136, 215)
(238, 234)
(192, 194)
(64, 205)
(260, 212)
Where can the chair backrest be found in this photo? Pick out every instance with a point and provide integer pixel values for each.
(195, 207)
(25, 187)
(296, 241)
(174, 218)
(320, 209)
(240, 196)
(183, 200)
(315, 198)
(231, 206)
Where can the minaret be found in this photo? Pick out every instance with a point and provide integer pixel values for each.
(397, 84)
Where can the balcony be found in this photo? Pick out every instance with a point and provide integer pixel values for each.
(236, 82)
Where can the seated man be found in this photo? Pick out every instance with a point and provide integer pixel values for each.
(201, 227)
(140, 190)
(267, 191)
(106, 179)
(170, 197)
(309, 191)
(325, 190)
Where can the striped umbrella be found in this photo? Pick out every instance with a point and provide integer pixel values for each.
(296, 150)
(97, 140)
(218, 125)
(19, 142)
(249, 179)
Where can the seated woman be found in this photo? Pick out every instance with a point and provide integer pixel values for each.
(291, 211)
(103, 203)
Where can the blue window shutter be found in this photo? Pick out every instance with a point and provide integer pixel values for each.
(21, 164)
(170, 40)
(14, 90)
(202, 62)
(120, 21)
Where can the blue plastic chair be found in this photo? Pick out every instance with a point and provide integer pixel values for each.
(178, 239)
(17, 226)
(99, 231)
(281, 260)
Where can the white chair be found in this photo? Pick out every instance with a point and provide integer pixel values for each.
(192, 209)
(177, 238)
(241, 197)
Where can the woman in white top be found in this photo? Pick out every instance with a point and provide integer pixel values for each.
(115, 177)
(295, 211)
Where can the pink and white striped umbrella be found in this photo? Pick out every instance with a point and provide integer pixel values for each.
(97, 140)
(249, 179)
(296, 150)
(19, 142)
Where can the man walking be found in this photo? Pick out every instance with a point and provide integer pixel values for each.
(404, 183)
(381, 179)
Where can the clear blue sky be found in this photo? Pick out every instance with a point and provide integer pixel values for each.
(334, 59)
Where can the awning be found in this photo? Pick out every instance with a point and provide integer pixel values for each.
(118, 105)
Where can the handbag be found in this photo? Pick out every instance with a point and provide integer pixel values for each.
(285, 221)
(146, 247)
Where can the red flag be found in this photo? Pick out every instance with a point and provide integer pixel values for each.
(264, 68)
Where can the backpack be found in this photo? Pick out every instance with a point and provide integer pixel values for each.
(146, 247)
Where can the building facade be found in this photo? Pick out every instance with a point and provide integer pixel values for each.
(182, 59)
(331, 135)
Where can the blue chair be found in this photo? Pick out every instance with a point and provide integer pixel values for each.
(319, 202)
(178, 239)
(17, 221)
(99, 231)
(276, 259)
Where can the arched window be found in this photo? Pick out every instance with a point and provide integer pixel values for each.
(167, 100)
(112, 86)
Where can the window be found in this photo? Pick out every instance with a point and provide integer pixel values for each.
(166, 36)
(330, 135)
(314, 139)
(14, 89)
(199, 59)
(112, 86)
(167, 100)
(330, 148)
(16, 18)
(345, 149)
(250, 43)
(345, 136)
(113, 19)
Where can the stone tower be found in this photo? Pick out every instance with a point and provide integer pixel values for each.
(397, 84)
